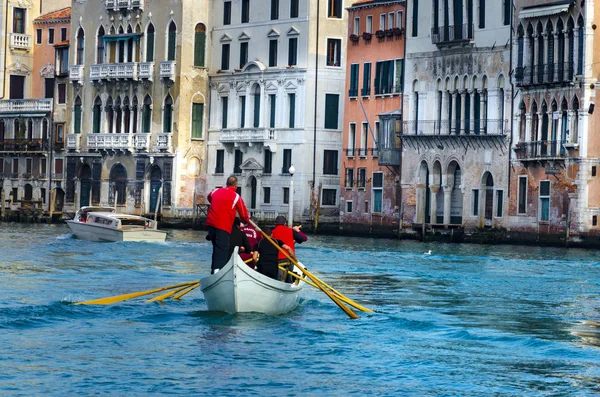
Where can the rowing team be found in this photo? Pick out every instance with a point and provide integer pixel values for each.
(225, 234)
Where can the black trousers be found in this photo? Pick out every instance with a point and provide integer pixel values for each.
(220, 242)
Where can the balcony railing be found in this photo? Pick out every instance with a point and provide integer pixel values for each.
(452, 33)
(26, 105)
(540, 150)
(558, 73)
(141, 142)
(349, 183)
(374, 152)
(164, 141)
(110, 71)
(76, 73)
(350, 152)
(124, 4)
(109, 142)
(353, 92)
(248, 135)
(20, 41)
(454, 128)
(73, 142)
(361, 152)
(167, 70)
(24, 145)
(146, 70)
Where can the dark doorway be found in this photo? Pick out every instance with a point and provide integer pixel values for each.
(489, 200)
(85, 191)
(118, 183)
(253, 192)
(17, 87)
(155, 185)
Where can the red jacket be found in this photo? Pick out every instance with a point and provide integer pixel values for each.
(224, 203)
(288, 236)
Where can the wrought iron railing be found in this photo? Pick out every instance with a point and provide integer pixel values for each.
(452, 33)
(557, 73)
(539, 150)
(24, 145)
(493, 127)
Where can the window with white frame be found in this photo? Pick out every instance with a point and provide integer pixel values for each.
(329, 197)
(391, 17)
(522, 194)
(266, 195)
(377, 192)
(38, 36)
(286, 195)
(334, 52)
(349, 206)
(544, 205)
(475, 202)
(51, 36)
(349, 182)
(499, 203)
(399, 20)
(382, 22)
(369, 26)
(362, 178)
(356, 30)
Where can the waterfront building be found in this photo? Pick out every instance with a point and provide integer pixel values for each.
(139, 85)
(370, 186)
(27, 64)
(555, 192)
(277, 87)
(455, 134)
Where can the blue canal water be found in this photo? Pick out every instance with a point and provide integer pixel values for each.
(464, 321)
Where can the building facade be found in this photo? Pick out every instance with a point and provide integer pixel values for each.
(139, 84)
(26, 107)
(373, 107)
(455, 133)
(554, 188)
(277, 87)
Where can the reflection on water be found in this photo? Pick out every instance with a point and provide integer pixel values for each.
(466, 320)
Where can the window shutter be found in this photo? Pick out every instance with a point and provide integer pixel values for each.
(273, 109)
(150, 46)
(292, 110)
(172, 41)
(256, 110)
(331, 111)
(197, 118)
(199, 48)
(378, 78)
(77, 125)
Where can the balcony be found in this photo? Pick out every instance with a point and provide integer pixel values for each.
(350, 153)
(247, 135)
(109, 142)
(374, 152)
(73, 142)
(24, 146)
(76, 73)
(550, 74)
(20, 41)
(542, 150)
(146, 70)
(164, 141)
(114, 71)
(26, 106)
(141, 142)
(468, 128)
(361, 152)
(117, 5)
(167, 70)
(452, 34)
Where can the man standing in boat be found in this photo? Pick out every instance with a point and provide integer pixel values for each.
(224, 203)
(289, 235)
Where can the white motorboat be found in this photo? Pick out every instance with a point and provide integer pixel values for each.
(239, 288)
(105, 224)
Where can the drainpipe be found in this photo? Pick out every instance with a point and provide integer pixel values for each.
(314, 170)
(512, 100)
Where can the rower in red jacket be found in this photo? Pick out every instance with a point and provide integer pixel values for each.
(224, 203)
(289, 235)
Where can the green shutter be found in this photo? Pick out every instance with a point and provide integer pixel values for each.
(331, 111)
(77, 126)
(96, 124)
(256, 110)
(273, 108)
(378, 78)
(197, 118)
(146, 119)
(415, 19)
(168, 118)
(172, 41)
(224, 110)
(243, 115)
(199, 48)
(150, 47)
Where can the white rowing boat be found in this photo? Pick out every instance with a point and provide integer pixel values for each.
(239, 288)
(104, 224)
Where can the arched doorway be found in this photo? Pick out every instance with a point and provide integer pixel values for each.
(423, 194)
(118, 185)
(28, 192)
(456, 196)
(59, 200)
(437, 198)
(85, 186)
(155, 185)
(488, 200)
(252, 183)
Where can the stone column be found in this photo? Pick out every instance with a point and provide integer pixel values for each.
(442, 111)
(447, 203)
(433, 189)
(536, 60)
(576, 54)
(471, 111)
(462, 111)
(420, 193)
(453, 113)
(556, 66)
(528, 132)
(545, 60)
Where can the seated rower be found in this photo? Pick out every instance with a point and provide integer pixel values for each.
(238, 239)
(265, 254)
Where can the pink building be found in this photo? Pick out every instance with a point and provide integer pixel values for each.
(373, 110)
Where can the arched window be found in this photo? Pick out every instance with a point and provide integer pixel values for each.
(121, 46)
(44, 129)
(199, 45)
(520, 52)
(30, 130)
(118, 116)
(77, 116)
(535, 122)
(147, 115)
(541, 58)
(150, 43)
(522, 122)
(126, 115)
(171, 41)
(197, 118)
(96, 115)
(130, 44)
(560, 61)
(574, 133)
(571, 53)
(531, 55)
(256, 106)
(580, 40)
(168, 114)
(118, 184)
(80, 46)
(100, 46)
(550, 67)
(134, 115)
(112, 48)
(110, 115)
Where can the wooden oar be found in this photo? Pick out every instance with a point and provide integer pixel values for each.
(334, 292)
(119, 298)
(167, 294)
(346, 310)
(186, 291)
